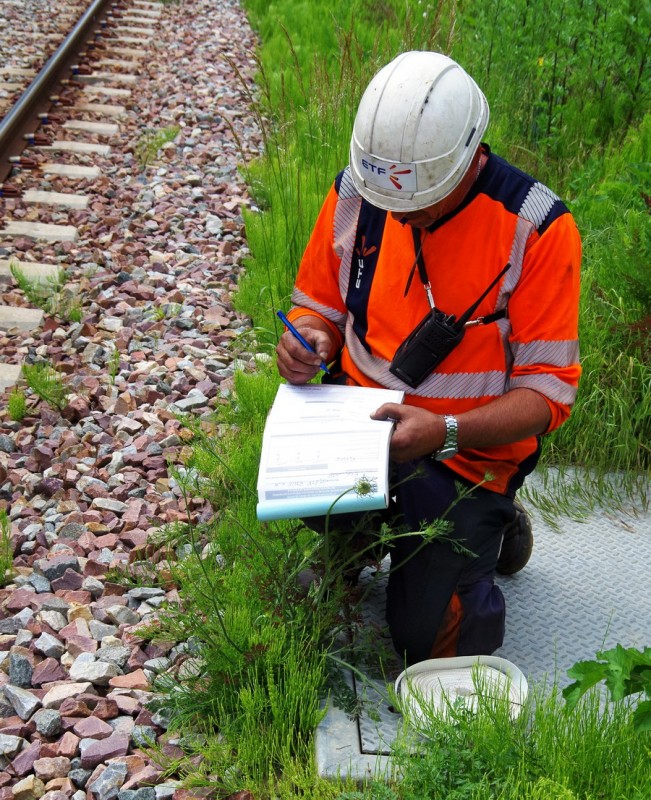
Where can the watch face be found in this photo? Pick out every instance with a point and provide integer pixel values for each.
(446, 452)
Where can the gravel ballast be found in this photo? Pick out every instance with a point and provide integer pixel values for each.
(158, 257)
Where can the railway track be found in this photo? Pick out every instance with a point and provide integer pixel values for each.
(63, 90)
(86, 484)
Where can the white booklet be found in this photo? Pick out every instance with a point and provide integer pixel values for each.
(320, 447)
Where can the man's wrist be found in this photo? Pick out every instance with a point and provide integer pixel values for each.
(450, 446)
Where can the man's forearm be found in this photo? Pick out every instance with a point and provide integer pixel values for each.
(515, 416)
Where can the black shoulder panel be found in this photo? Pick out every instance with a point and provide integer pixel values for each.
(521, 194)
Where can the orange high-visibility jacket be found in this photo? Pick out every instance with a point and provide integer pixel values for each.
(354, 272)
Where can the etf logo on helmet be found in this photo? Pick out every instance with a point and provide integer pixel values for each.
(389, 175)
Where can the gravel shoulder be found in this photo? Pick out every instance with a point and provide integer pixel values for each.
(157, 261)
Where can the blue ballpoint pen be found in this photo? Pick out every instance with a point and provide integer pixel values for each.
(303, 341)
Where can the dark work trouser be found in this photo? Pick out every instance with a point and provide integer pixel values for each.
(442, 602)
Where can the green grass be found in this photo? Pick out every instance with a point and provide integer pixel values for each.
(17, 405)
(574, 118)
(51, 294)
(548, 753)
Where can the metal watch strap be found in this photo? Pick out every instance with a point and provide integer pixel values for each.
(450, 446)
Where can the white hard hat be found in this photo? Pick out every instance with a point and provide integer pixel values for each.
(418, 126)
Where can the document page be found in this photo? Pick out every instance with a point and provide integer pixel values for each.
(319, 443)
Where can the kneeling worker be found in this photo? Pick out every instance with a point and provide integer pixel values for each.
(420, 227)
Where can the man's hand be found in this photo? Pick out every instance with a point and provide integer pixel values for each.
(295, 363)
(417, 433)
(512, 417)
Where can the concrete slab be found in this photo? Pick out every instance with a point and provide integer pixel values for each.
(147, 11)
(150, 10)
(71, 171)
(139, 40)
(130, 52)
(39, 230)
(77, 201)
(142, 33)
(9, 375)
(338, 748)
(107, 91)
(138, 19)
(100, 128)
(586, 588)
(107, 77)
(79, 147)
(18, 72)
(20, 319)
(134, 22)
(101, 108)
(34, 271)
(120, 63)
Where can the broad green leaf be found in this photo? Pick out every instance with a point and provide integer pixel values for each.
(623, 669)
(641, 679)
(642, 716)
(620, 661)
(587, 675)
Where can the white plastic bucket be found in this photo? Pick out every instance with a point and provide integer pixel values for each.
(436, 686)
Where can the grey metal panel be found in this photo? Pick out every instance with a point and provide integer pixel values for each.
(587, 587)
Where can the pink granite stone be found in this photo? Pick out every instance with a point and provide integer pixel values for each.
(68, 745)
(47, 671)
(103, 749)
(70, 580)
(47, 769)
(24, 761)
(132, 680)
(92, 728)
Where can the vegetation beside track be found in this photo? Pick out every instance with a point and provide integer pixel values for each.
(568, 88)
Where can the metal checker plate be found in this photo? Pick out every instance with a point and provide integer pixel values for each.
(587, 587)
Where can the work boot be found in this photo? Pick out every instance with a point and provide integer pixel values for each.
(517, 543)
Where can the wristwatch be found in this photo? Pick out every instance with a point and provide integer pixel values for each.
(450, 446)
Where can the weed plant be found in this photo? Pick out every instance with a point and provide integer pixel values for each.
(265, 639)
(17, 405)
(625, 671)
(47, 383)
(6, 549)
(50, 294)
(113, 364)
(151, 141)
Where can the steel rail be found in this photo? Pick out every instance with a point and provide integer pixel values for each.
(36, 99)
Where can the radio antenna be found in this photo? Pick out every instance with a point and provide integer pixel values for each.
(470, 311)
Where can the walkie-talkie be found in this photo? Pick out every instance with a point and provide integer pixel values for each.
(432, 341)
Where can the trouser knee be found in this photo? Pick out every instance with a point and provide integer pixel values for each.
(471, 623)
